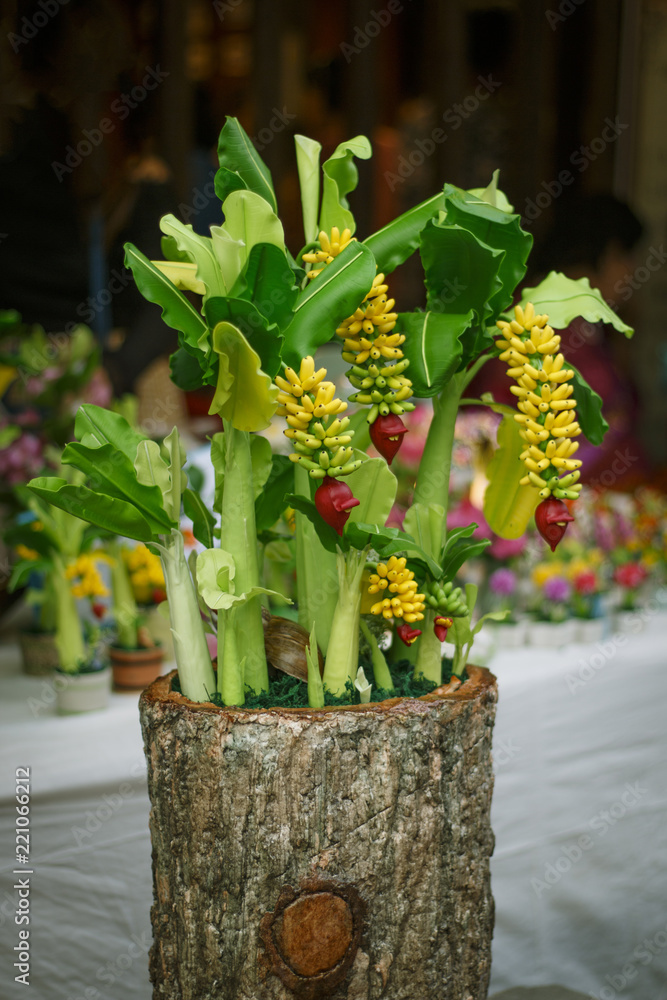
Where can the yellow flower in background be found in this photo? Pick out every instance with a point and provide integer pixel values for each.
(544, 571)
(398, 586)
(84, 576)
(25, 553)
(145, 571)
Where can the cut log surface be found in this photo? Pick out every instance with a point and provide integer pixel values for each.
(322, 853)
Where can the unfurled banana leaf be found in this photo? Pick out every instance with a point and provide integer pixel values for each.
(263, 337)
(564, 299)
(339, 177)
(244, 394)
(508, 506)
(200, 252)
(268, 281)
(250, 220)
(116, 516)
(95, 426)
(589, 408)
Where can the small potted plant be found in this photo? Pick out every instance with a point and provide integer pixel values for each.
(136, 659)
(347, 807)
(70, 573)
(629, 575)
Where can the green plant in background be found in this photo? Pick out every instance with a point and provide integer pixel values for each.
(253, 336)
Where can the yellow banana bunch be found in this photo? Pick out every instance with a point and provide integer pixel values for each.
(547, 415)
(392, 578)
(330, 247)
(318, 435)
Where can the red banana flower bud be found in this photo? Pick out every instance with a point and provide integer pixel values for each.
(440, 626)
(387, 435)
(407, 633)
(552, 518)
(334, 501)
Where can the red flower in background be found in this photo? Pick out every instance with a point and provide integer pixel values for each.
(630, 575)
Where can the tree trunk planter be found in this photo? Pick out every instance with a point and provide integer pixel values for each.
(305, 853)
(135, 669)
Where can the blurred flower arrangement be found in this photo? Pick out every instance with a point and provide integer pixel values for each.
(146, 576)
(43, 380)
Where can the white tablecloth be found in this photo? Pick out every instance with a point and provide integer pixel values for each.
(580, 816)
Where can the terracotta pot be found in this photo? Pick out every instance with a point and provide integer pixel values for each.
(135, 669)
(82, 692)
(39, 653)
(312, 853)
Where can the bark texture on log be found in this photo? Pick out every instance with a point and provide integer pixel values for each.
(321, 853)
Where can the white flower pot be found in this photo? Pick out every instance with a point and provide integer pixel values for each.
(589, 629)
(551, 633)
(82, 692)
(629, 622)
(508, 635)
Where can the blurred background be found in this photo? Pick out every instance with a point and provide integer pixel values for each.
(112, 108)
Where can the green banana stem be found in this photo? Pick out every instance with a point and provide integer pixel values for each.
(429, 652)
(69, 637)
(316, 573)
(193, 659)
(432, 484)
(231, 663)
(381, 672)
(342, 660)
(124, 605)
(238, 536)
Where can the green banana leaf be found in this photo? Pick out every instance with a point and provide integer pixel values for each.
(116, 516)
(237, 153)
(461, 271)
(177, 312)
(111, 473)
(433, 347)
(339, 177)
(200, 252)
(327, 300)
(508, 506)
(95, 426)
(203, 521)
(182, 274)
(398, 240)
(244, 394)
(226, 181)
(374, 485)
(496, 229)
(268, 281)
(424, 522)
(249, 220)
(263, 337)
(589, 408)
(308, 165)
(563, 299)
(270, 503)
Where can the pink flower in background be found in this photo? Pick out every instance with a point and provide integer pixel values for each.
(503, 582)
(98, 390)
(466, 513)
(506, 548)
(22, 459)
(396, 517)
(557, 589)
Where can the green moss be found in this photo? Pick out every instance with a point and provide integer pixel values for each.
(288, 692)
